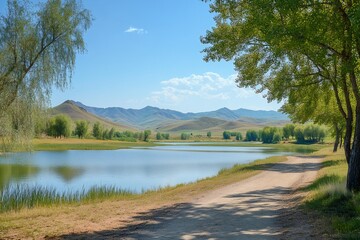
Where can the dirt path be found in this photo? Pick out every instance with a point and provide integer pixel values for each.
(250, 209)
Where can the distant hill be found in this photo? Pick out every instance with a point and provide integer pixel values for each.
(78, 113)
(205, 124)
(170, 120)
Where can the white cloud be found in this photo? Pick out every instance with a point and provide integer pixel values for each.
(206, 87)
(136, 30)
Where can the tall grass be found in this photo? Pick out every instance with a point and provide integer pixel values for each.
(329, 199)
(16, 197)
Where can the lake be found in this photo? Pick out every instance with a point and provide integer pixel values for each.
(135, 169)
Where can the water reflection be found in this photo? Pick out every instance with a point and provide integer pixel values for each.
(68, 173)
(130, 169)
(16, 173)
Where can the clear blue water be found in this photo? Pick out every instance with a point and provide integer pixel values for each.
(135, 169)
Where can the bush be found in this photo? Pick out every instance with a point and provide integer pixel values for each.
(226, 135)
(81, 128)
(238, 136)
(185, 136)
(251, 135)
(59, 126)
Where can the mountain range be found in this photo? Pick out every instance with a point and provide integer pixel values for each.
(170, 120)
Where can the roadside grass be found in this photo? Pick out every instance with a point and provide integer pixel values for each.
(329, 199)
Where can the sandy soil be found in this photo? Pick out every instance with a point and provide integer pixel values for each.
(261, 207)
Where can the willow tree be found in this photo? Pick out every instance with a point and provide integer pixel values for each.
(288, 48)
(38, 47)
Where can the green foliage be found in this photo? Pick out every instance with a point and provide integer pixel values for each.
(59, 126)
(226, 135)
(147, 134)
(105, 134)
(238, 136)
(288, 50)
(97, 130)
(208, 134)
(81, 128)
(251, 135)
(309, 134)
(38, 47)
(289, 131)
(111, 133)
(162, 136)
(271, 135)
(185, 136)
(158, 136)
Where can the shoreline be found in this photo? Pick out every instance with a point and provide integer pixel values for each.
(123, 209)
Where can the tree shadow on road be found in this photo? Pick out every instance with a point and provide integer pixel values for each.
(190, 221)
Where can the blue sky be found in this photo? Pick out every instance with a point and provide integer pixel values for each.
(142, 52)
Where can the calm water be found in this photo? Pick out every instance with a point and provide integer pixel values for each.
(134, 169)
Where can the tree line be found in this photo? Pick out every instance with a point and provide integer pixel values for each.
(303, 134)
(60, 126)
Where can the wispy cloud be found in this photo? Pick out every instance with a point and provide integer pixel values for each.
(208, 86)
(136, 30)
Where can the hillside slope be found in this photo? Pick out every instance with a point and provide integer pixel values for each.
(156, 118)
(78, 113)
(204, 124)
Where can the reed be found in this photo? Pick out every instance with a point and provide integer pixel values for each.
(20, 196)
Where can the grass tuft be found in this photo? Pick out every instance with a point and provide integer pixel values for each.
(17, 197)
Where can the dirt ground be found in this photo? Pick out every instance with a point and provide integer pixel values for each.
(264, 206)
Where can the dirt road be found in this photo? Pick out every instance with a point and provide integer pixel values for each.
(249, 209)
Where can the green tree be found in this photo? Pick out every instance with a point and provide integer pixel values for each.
(97, 130)
(81, 128)
(238, 136)
(288, 49)
(38, 47)
(111, 133)
(105, 134)
(59, 126)
(147, 134)
(288, 131)
(226, 135)
(251, 135)
(208, 134)
(271, 135)
(158, 136)
(299, 134)
(166, 136)
(185, 136)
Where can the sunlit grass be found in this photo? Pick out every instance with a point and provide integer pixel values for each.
(330, 200)
(17, 197)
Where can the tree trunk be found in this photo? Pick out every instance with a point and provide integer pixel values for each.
(347, 140)
(337, 139)
(353, 177)
(341, 141)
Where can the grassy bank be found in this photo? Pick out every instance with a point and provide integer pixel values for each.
(329, 200)
(52, 144)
